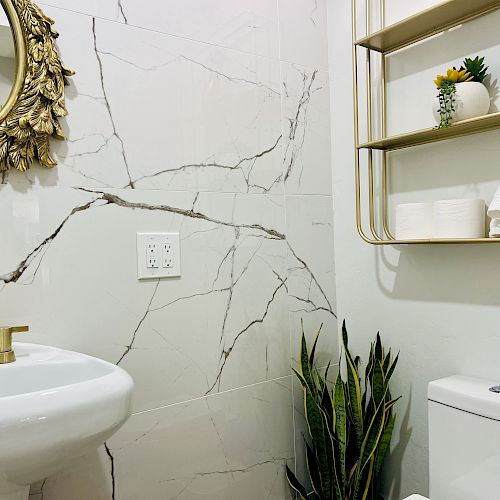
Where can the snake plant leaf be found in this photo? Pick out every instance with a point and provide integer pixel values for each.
(368, 480)
(379, 351)
(363, 401)
(373, 434)
(354, 390)
(390, 404)
(321, 382)
(368, 373)
(385, 441)
(331, 450)
(295, 484)
(351, 478)
(327, 412)
(314, 473)
(369, 412)
(315, 343)
(345, 337)
(392, 368)
(387, 361)
(369, 449)
(378, 385)
(327, 369)
(330, 453)
(369, 365)
(305, 367)
(372, 438)
(357, 361)
(302, 380)
(317, 432)
(327, 404)
(341, 429)
(327, 407)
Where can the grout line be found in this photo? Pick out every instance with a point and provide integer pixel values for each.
(210, 395)
(152, 30)
(185, 191)
(287, 253)
(180, 37)
(224, 392)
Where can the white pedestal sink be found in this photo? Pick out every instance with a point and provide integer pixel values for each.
(55, 405)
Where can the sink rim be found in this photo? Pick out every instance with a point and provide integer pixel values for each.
(114, 372)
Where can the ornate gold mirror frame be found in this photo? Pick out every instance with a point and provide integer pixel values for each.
(31, 113)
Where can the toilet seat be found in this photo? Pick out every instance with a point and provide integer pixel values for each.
(416, 497)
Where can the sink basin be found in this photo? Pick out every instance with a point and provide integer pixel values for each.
(55, 406)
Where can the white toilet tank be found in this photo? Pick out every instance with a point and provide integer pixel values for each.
(464, 439)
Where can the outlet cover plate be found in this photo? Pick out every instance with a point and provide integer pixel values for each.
(165, 249)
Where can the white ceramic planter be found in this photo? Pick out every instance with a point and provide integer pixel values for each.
(471, 100)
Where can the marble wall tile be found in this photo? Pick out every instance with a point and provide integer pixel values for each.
(224, 324)
(303, 32)
(152, 111)
(307, 165)
(231, 445)
(171, 134)
(311, 274)
(247, 25)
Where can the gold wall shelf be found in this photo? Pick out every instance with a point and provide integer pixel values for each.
(447, 241)
(427, 23)
(426, 136)
(443, 16)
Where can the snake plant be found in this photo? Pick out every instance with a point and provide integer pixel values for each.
(350, 424)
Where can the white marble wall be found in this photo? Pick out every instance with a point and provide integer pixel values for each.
(211, 119)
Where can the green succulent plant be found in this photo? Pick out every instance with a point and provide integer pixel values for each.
(472, 70)
(476, 68)
(350, 424)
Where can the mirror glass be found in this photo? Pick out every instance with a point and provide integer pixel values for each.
(7, 58)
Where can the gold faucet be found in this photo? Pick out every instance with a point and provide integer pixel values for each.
(6, 353)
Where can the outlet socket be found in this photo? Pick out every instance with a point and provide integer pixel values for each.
(152, 262)
(158, 255)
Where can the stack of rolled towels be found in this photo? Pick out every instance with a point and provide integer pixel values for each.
(463, 218)
(494, 214)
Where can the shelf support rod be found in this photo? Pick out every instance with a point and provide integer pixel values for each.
(359, 224)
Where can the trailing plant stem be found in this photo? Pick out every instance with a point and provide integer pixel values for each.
(447, 103)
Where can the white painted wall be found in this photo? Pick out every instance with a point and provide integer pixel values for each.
(438, 305)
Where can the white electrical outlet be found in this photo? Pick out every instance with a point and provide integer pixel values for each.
(152, 262)
(158, 255)
(152, 247)
(167, 255)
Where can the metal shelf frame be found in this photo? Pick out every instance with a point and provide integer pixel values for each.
(430, 22)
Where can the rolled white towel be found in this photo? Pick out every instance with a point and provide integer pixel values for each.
(494, 209)
(413, 221)
(495, 228)
(459, 218)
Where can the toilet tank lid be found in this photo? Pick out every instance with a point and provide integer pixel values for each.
(467, 394)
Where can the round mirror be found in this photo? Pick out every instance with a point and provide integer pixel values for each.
(12, 57)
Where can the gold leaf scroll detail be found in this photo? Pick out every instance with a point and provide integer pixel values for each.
(25, 132)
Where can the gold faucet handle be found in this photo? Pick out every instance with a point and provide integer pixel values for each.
(6, 352)
(13, 329)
